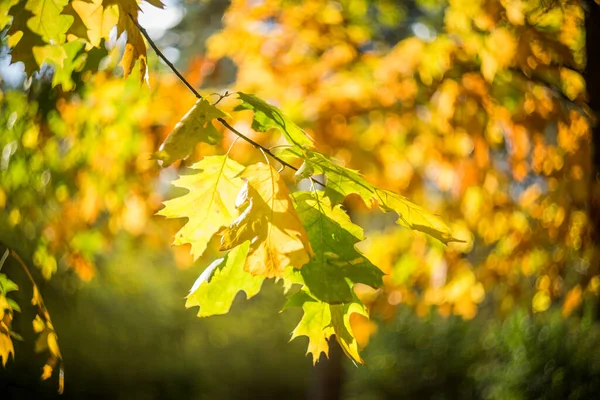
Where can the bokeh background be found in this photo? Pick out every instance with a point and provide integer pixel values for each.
(476, 110)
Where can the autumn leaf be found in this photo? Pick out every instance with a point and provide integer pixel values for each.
(195, 126)
(135, 47)
(342, 181)
(210, 203)
(216, 288)
(77, 28)
(47, 339)
(6, 345)
(5, 7)
(22, 41)
(7, 308)
(74, 61)
(322, 320)
(269, 221)
(267, 117)
(97, 17)
(48, 20)
(415, 217)
(337, 266)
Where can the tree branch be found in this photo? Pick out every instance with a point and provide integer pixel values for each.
(195, 92)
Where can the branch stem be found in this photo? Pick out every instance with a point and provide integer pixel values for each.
(258, 146)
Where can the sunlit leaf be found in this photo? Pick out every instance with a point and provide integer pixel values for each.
(321, 320)
(331, 275)
(216, 288)
(267, 117)
(48, 20)
(269, 221)
(342, 181)
(196, 126)
(415, 217)
(22, 40)
(210, 203)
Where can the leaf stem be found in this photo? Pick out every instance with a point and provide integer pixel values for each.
(258, 146)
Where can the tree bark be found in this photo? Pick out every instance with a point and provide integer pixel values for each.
(328, 375)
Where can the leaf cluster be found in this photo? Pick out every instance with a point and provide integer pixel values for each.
(305, 239)
(61, 33)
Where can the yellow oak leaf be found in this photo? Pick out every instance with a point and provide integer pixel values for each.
(98, 18)
(6, 345)
(210, 203)
(135, 48)
(269, 221)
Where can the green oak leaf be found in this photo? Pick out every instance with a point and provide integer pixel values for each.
(322, 320)
(216, 288)
(74, 61)
(6, 285)
(414, 217)
(47, 20)
(267, 117)
(196, 126)
(342, 181)
(337, 266)
(210, 203)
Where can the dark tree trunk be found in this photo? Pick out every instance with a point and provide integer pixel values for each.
(328, 374)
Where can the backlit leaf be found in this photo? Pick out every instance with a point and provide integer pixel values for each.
(135, 47)
(342, 181)
(216, 288)
(48, 20)
(22, 40)
(415, 217)
(210, 203)
(270, 222)
(98, 19)
(321, 320)
(331, 275)
(267, 117)
(195, 126)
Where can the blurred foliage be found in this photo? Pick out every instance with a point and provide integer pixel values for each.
(476, 110)
(541, 356)
(478, 114)
(126, 335)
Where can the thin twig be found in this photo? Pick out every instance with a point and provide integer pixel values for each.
(165, 59)
(195, 92)
(253, 143)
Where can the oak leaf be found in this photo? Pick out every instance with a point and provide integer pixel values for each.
(342, 181)
(98, 19)
(135, 47)
(338, 265)
(216, 288)
(267, 117)
(22, 41)
(195, 126)
(269, 221)
(210, 203)
(321, 320)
